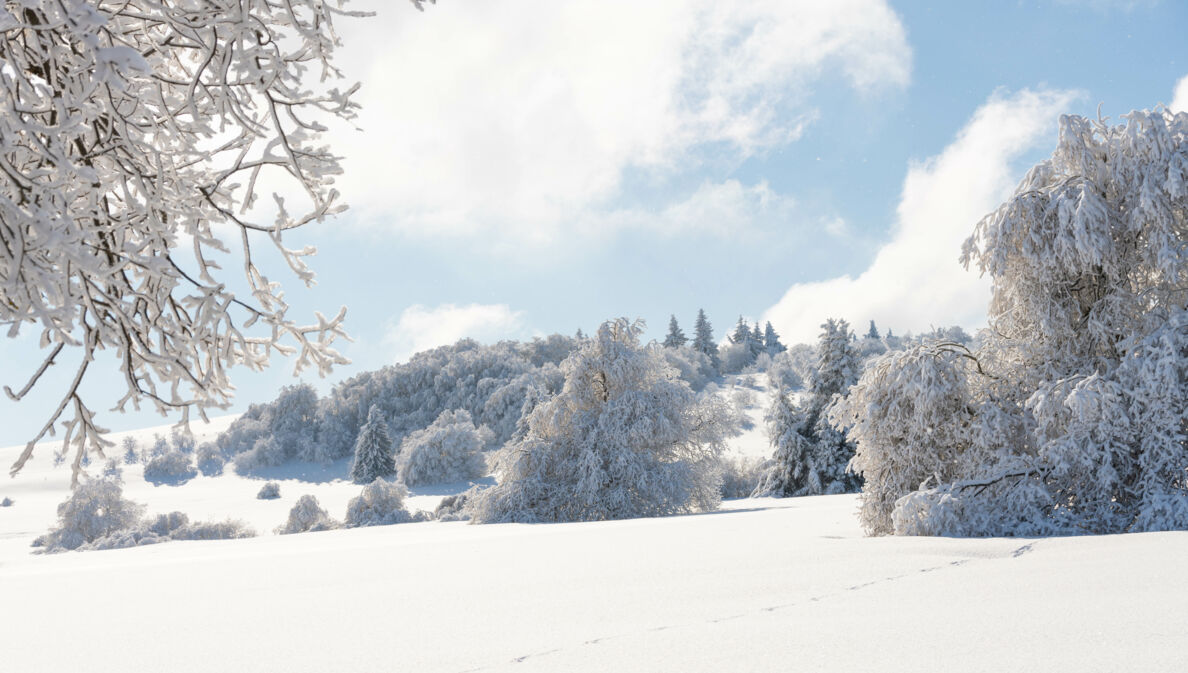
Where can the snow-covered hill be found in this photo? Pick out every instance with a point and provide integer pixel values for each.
(763, 585)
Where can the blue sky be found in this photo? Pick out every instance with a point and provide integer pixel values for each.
(535, 167)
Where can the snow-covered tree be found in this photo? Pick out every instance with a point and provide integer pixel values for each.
(790, 472)
(95, 508)
(136, 133)
(811, 455)
(1069, 416)
(307, 516)
(771, 341)
(624, 438)
(703, 338)
(675, 337)
(873, 332)
(374, 454)
(380, 504)
(269, 491)
(130, 445)
(450, 449)
(741, 333)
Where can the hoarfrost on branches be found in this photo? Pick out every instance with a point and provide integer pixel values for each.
(450, 449)
(307, 515)
(624, 438)
(134, 133)
(1069, 417)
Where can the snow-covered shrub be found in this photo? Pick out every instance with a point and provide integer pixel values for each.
(782, 374)
(167, 528)
(740, 476)
(269, 491)
(374, 455)
(742, 398)
(451, 449)
(456, 507)
(111, 469)
(209, 459)
(1069, 414)
(306, 516)
(624, 438)
(159, 447)
(181, 439)
(266, 452)
(380, 504)
(172, 467)
(694, 367)
(736, 357)
(6, 502)
(130, 446)
(97, 508)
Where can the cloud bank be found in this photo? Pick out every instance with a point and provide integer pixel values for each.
(421, 328)
(529, 119)
(915, 281)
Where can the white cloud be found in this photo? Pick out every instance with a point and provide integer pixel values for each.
(420, 327)
(520, 118)
(715, 208)
(1180, 97)
(915, 281)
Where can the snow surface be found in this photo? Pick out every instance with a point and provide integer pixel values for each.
(763, 585)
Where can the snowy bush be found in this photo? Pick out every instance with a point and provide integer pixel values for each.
(269, 491)
(694, 367)
(451, 449)
(624, 438)
(380, 504)
(266, 452)
(167, 528)
(112, 470)
(1068, 414)
(172, 467)
(6, 502)
(740, 476)
(742, 398)
(307, 516)
(95, 509)
(130, 446)
(456, 507)
(374, 455)
(209, 459)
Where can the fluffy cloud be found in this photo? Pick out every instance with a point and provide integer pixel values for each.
(522, 118)
(1180, 97)
(915, 280)
(420, 328)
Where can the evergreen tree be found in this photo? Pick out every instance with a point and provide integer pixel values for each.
(374, 457)
(810, 454)
(755, 343)
(873, 332)
(771, 340)
(676, 338)
(742, 333)
(703, 339)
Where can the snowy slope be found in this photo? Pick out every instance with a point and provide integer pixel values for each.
(766, 585)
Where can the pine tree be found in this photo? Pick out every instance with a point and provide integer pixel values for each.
(374, 457)
(703, 339)
(790, 472)
(755, 342)
(873, 332)
(676, 338)
(742, 333)
(771, 340)
(811, 455)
